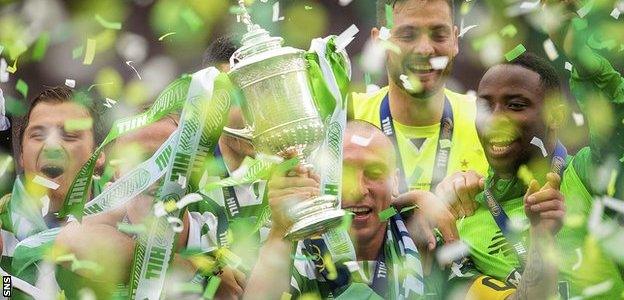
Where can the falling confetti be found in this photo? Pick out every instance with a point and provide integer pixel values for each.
(45, 182)
(5, 165)
(615, 13)
(346, 37)
(538, 142)
(579, 119)
(384, 33)
(4, 75)
(344, 2)
(551, 51)
(41, 46)
(568, 66)
(276, 12)
(387, 213)
(361, 141)
(90, 52)
(583, 11)
(135, 70)
(162, 37)
(70, 83)
(45, 205)
(389, 16)
(464, 29)
(22, 88)
(509, 31)
(452, 252)
(107, 24)
(78, 124)
(513, 54)
(579, 259)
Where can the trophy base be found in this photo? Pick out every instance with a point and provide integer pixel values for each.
(317, 222)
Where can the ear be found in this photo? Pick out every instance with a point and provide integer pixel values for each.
(20, 159)
(455, 40)
(375, 34)
(99, 163)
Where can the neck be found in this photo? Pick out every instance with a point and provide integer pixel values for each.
(412, 111)
(369, 249)
(231, 158)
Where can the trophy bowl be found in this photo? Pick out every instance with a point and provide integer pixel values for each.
(281, 117)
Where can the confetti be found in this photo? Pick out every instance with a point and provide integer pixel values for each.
(551, 51)
(464, 29)
(361, 141)
(439, 62)
(615, 13)
(568, 66)
(387, 213)
(4, 75)
(307, 7)
(371, 88)
(12, 69)
(176, 224)
(579, 24)
(509, 31)
(94, 85)
(45, 182)
(286, 296)
(579, 259)
(452, 252)
(1, 49)
(162, 37)
(583, 11)
(109, 102)
(513, 54)
(330, 266)
(384, 33)
(614, 204)
(131, 228)
(135, 70)
(389, 16)
(579, 119)
(5, 165)
(70, 83)
(77, 52)
(406, 209)
(598, 289)
(344, 2)
(345, 38)
(538, 142)
(188, 199)
(22, 87)
(78, 124)
(41, 46)
(90, 52)
(276, 12)
(192, 19)
(182, 181)
(45, 205)
(107, 24)
(529, 5)
(373, 57)
(410, 85)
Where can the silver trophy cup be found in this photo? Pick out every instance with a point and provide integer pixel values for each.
(281, 117)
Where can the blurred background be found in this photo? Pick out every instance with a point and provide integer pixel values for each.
(127, 51)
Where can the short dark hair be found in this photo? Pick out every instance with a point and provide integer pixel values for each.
(548, 75)
(381, 9)
(61, 94)
(219, 51)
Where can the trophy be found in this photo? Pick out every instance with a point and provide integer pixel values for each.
(280, 115)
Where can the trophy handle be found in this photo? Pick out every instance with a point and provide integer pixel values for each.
(245, 133)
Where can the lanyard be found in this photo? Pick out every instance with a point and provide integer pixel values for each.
(501, 218)
(440, 164)
(229, 194)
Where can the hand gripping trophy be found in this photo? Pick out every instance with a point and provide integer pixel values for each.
(281, 115)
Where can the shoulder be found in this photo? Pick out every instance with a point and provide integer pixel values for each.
(366, 105)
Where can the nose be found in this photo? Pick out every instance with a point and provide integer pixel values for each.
(423, 45)
(354, 187)
(52, 150)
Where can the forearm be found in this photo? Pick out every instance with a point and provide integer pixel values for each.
(539, 279)
(270, 277)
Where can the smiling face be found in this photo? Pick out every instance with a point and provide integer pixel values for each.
(509, 115)
(369, 179)
(48, 150)
(422, 30)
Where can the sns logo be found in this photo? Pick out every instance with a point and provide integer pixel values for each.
(6, 286)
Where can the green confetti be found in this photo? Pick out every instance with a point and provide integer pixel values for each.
(389, 17)
(78, 124)
(192, 19)
(129, 228)
(307, 7)
(14, 107)
(330, 266)
(107, 24)
(1, 49)
(211, 289)
(509, 31)
(22, 87)
(579, 24)
(237, 10)
(77, 52)
(286, 296)
(346, 221)
(387, 213)
(90, 52)
(406, 209)
(622, 159)
(513, 54)
(191, 288)
(41, 46)
(367, 79)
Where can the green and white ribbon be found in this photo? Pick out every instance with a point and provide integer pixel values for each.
(25, 215)
(202, 120)
(171, 99)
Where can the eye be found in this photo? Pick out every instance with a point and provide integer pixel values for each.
(71, 136)
(439, 35)
(375, 172)
(516, 105)
(37, 135)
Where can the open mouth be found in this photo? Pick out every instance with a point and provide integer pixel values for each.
(359, 212)
(52, 171)
(500, 146)
(421, 68)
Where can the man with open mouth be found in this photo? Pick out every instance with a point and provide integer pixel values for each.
(387, 262)
(521, 232)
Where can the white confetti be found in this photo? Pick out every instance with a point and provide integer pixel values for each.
(4, 75)
(45, 205)
(45, 182)
(594, 222)
(135, 70)
(371, 88)
(345, 38)
(439, 62)
(176, 223)
(568, 66)
(583, 11)
(344, 2)
(451, 252)
(615, 204)
(182, 181)
(360, 140)
(276, 12)
(188, 199)
(529, 5)
(1, 49)
(463, 30)
(472, 94)
(406, 82)
(579, 259)
(4, 121)
(537, 142)
(70, 83)
(5, 165)
(598, 289)
(551, 51)
(579, 119)
(109, 102)
(373, 57)
(615, 13)
(384, 33)
(159, 209)
(46, 280)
